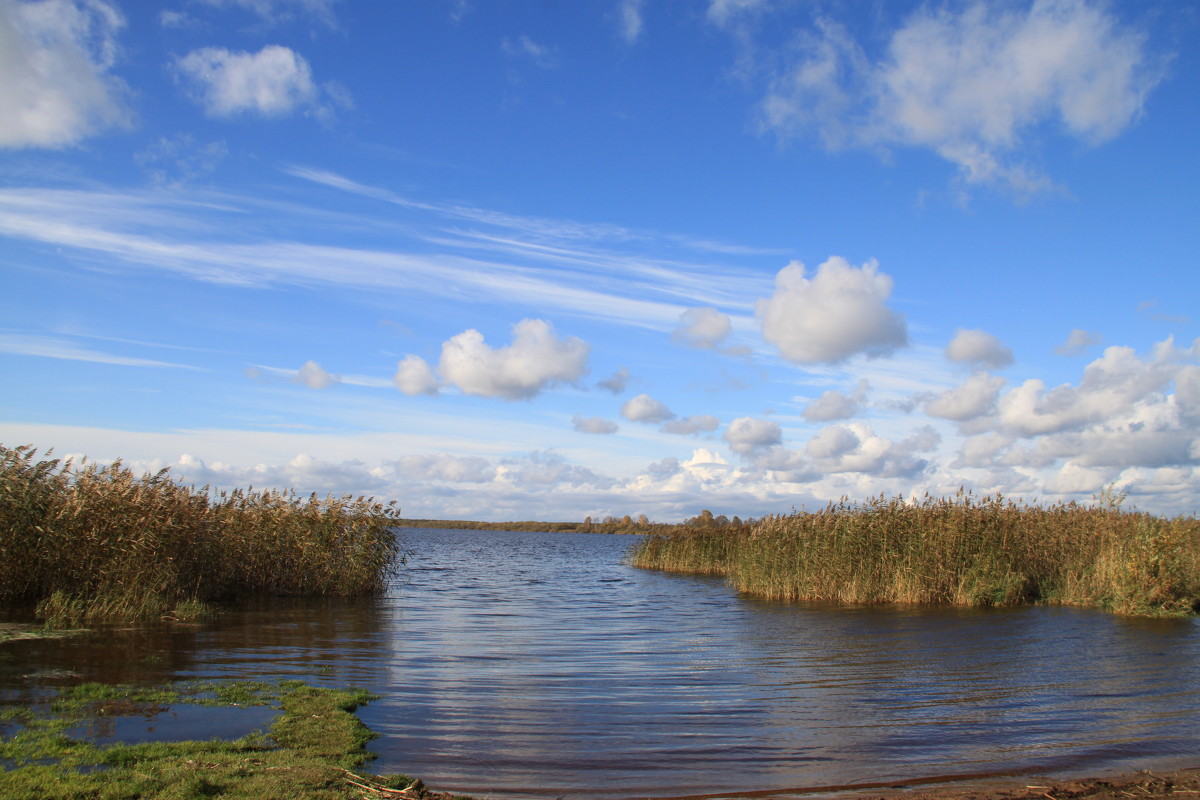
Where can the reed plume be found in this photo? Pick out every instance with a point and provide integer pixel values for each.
(963, 550)
(99, 541)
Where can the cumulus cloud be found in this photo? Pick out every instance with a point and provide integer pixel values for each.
(55, 86)
(971, 82)
(414, 376)
(703, 328)
(273, 82)
(705, 464)
(1187, 392)
(314, 376)
(1110, 386)
(645, 408)
(983, 450)
(838, 313)
(976, 397)
(617, 382)
(747, 435)
(593, 425)
(1077, 341)
(856, 448)
(834, 405)
(536, 359)
(978, 349)
(692, 425)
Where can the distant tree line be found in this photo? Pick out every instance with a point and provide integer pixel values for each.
(609, 524)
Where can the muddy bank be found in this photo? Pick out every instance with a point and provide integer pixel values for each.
(1182, 783)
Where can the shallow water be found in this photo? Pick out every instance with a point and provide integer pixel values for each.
(526, 664)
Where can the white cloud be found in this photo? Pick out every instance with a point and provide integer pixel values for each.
(838, 313)
(976, 397)
(630, 17)
(139, 230)
(549, 469)
(617, 382)
(536, 359)
(982, 450)
(593, 425)
(856, 448)
(1110, 386)
(64, 349)
(834, 405)
(1075, 479)
(747, 435)
(55, 86)
(970, 82)
(314, 376)
(414, 376)
(1187, 392)
(273, 82)
(644, 408)
(1077, 341)
(705, 464)
(690, 426)
(445, 467)
(703, 328)
(979, 349)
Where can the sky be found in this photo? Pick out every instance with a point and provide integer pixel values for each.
(547, 260)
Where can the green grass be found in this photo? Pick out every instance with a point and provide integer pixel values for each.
(88, 541)
(313, 751)
(987, 551)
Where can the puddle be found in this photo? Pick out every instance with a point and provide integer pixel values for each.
(175, 723)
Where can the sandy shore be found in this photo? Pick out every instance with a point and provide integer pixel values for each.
(1183, 783)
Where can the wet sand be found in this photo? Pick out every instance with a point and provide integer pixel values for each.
(1183, 783)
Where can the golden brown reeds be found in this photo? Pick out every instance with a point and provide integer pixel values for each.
(962, 550)
(100, 541)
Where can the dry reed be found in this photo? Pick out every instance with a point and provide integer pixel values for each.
(99, 541)
(962, 550)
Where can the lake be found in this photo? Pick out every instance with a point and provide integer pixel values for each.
(539, 665)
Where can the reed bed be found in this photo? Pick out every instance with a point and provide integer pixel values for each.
(93, 541)
(988, 551)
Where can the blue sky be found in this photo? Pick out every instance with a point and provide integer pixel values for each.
(514, 260)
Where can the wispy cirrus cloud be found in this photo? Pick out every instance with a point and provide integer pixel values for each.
(68, 350)
(189, 235)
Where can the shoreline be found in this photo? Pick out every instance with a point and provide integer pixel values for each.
(1179, 782)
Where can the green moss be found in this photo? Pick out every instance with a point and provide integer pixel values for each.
(312, 751)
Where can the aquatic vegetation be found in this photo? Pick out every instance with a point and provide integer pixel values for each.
(313, 750)
(93, 541)
(962, 550)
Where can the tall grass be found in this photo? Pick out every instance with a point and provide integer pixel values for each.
(100, 541)
(962, 550)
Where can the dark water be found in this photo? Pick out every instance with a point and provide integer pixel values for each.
(539, 665)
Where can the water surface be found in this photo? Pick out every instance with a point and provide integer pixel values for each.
(539, 665)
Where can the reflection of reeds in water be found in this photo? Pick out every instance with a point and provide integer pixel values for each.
(963, 550)
(99, 541)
